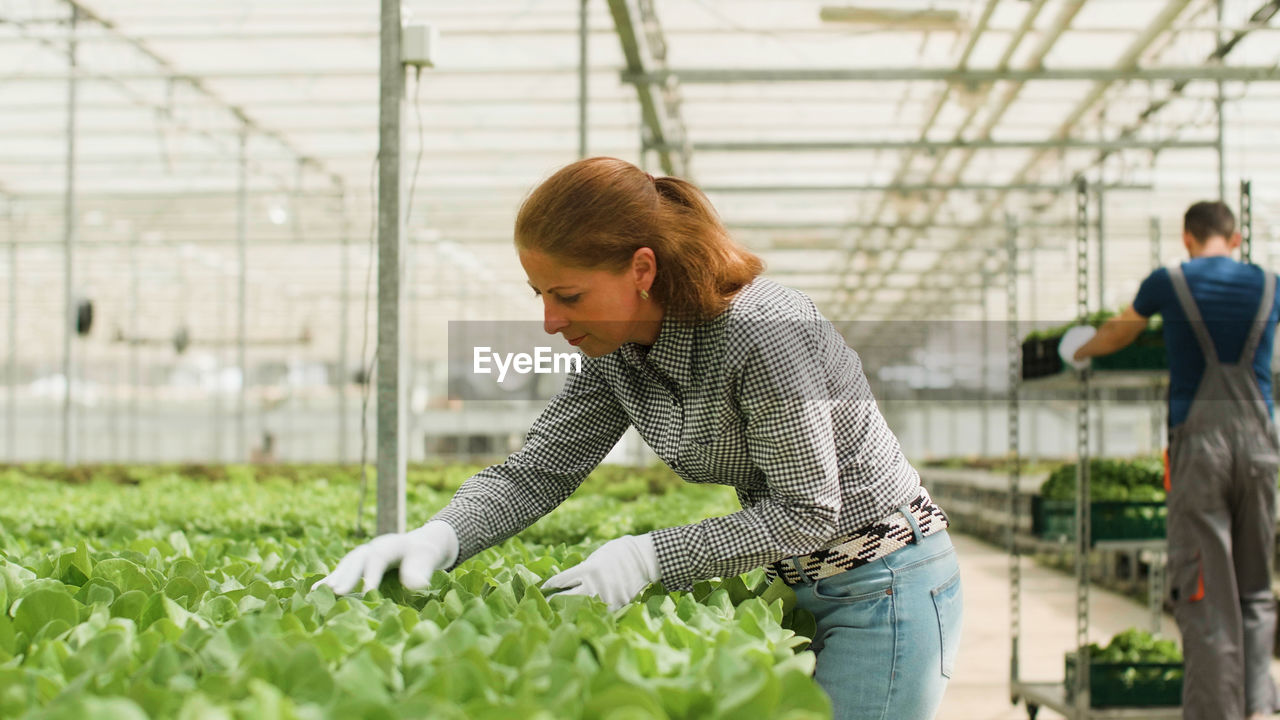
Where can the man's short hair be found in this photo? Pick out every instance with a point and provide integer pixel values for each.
(1209, 218)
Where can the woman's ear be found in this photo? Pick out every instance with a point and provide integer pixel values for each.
(644, 266)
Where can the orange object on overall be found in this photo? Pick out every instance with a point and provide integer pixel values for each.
(1199, 594)
(1199, 589)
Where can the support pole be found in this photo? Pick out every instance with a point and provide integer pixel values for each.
(985, 366)
(584, 35)
(1221, 106)
(409, 338)
(1153, 234)
(1246, 220)
(11, 406)
(69, 240)
(135, 367)
(1033, 419)
(390, 353)
(344, 331)
(953, 410)
(1157, 397)
(1102, 252)
(1082, 464)
(219, 354)
(1158, 559)
(242, 299)
(1013, 346)
(115, 421)
(1102, 305)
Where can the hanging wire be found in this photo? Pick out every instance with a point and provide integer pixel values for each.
(417, 163)
(366, 371)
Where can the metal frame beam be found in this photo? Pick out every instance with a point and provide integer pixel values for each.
(287, 74)
(934, 146)
(1128, 62)
(1175, 73)
(196, 83)
(914, 188)
(659, 101)
(1265, 13)
(1066, 15)
(857, 225)
(1257, 21)
(286, 30)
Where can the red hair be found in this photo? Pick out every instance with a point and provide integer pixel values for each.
(595, 214)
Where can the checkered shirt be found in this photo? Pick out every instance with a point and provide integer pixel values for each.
(766, 398)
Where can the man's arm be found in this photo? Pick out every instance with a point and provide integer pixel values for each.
(1116, 333)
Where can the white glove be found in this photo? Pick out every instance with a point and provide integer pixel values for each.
(614, 573)
(419, 553)
(1072, 340)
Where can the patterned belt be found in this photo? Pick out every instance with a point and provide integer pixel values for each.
(864, 545)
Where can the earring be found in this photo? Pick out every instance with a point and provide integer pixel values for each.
(644, 294)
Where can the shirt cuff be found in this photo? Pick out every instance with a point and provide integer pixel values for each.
(675, 570)
(469, 539)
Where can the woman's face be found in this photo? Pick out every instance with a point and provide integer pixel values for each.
(595, 310)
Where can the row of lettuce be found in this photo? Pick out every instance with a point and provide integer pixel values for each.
(136, 592)
(1126, 497)
(183, 591)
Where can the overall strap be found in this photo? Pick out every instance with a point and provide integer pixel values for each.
(1259, 322)
(1192, 311)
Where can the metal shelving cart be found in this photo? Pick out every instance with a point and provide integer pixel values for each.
(1054, 695)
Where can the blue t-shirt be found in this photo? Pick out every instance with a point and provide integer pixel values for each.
(1227, 293)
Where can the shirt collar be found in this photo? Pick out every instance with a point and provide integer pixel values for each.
(671, 353)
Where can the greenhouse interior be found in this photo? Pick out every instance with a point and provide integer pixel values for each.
(571, 359)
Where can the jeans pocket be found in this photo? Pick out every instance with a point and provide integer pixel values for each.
(869, 582)
(948, 602)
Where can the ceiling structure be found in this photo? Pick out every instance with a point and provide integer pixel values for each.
(870, 158)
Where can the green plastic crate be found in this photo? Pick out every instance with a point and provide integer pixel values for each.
(1109, 520)
(1146, 353)
(1040, 358)
(1129, 684)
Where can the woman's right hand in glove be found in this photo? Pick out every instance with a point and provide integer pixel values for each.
(418, 553)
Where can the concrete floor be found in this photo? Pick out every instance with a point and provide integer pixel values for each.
(979, 690)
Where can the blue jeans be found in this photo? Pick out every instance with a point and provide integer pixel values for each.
(888, 631)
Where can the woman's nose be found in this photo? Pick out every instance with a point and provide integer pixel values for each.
(552, 322)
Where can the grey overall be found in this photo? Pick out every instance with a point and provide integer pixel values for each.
(1223, 463)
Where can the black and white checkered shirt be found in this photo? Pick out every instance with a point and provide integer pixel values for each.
(767, 398)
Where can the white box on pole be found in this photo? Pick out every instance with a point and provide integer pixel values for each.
(419, 43)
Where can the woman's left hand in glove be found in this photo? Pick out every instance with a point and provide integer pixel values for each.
(615, 573)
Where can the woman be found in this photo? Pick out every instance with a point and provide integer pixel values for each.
(732, 379)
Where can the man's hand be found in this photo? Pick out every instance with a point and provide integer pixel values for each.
(1072, 341)
(1115, 334)
(615, 573)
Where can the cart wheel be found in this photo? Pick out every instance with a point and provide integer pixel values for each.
(1032, 711)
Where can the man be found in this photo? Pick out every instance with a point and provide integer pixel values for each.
(1220, 319)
